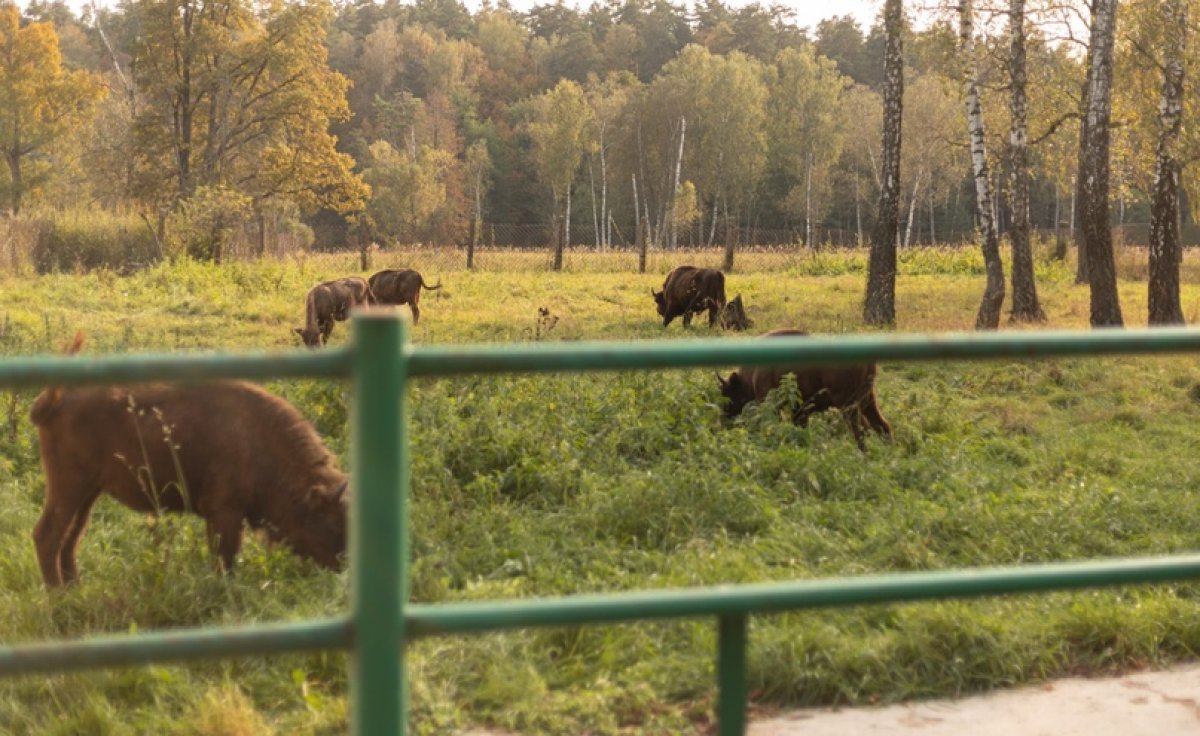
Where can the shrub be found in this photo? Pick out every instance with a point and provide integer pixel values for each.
(86, 240)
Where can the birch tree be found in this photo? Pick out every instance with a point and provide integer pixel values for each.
(1025, 305)
(1094, 168)
(559, 138)
(988, 316)
(879, 307)
(1165, 250)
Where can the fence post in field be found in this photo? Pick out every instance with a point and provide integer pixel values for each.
(379, 523)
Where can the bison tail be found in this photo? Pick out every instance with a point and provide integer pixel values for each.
(430, 288)
(47, 403)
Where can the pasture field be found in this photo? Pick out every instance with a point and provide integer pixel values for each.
(548, 485)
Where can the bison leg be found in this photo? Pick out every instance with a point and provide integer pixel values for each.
(225, 536)
(714, 312)
(49, 534)
(687, 319)
(326, 331)
(66, 555)
(416, 311)
(874, 418)
(854, 418)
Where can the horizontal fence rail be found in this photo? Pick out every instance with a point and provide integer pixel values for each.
(381, 362)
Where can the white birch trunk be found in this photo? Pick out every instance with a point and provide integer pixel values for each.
(988, 317)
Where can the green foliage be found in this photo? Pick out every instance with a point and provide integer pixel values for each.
(203, 226)
(86, 240)
(408, 189)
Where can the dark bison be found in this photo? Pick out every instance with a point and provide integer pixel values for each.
(400, 286)
(227, 451)
(689, 290)
(331, 302)
(850, 388)
(733, 316)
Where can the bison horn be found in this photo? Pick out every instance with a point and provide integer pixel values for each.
(341, 491)
(720, 380)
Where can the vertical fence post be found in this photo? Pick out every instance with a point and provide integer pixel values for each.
(379, 533)
(732, 639)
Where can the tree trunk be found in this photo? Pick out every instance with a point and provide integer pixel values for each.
(932, 232)
(13, 158)
(1025, 305)
(988, 316)
(1060, 243)
(556, 226)
(260, 219)
(727, 261)
(1094, 173)
(808, 237)
(638, 235)
(672, 235)
(183, 107)
(912, 208)
(476, 221)
(566, 233)
(595, 215)
(879, 307)
(472, 237)
(857, 213)
(1165, 249)
(605, 239)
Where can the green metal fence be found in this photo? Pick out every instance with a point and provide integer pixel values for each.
(380, 363)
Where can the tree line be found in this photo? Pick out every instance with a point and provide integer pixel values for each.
(633, 121)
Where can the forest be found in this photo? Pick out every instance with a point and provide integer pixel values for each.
(334, 124)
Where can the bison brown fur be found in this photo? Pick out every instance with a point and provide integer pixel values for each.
(400, 286)
(850, 388)
(689, 290)
(331, 302)
(227, 451)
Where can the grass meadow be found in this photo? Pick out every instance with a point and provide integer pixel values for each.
(549, 485)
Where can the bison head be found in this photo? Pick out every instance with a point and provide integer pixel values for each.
(660, 301)
(311, 336)
(737, 391)
(319, 531)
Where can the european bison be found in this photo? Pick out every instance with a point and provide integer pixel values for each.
(733, 316)
(689, 290)
(331, 302)
(850, 388)
(400, 286)
(227, 451)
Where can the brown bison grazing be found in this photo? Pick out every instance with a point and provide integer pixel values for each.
(227, 451)
(400, 286)
(331, 302)
(689, 290)
(850, 388)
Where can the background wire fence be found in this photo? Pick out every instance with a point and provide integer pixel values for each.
(509, 248)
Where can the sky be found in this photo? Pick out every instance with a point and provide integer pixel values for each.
(808, 12)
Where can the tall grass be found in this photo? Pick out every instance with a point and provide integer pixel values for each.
(82, 240)
(549, 485)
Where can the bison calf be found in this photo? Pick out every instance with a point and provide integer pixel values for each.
(689, 290)
(400, 286)
(850, 388)
(331, 302)
(228, 451)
